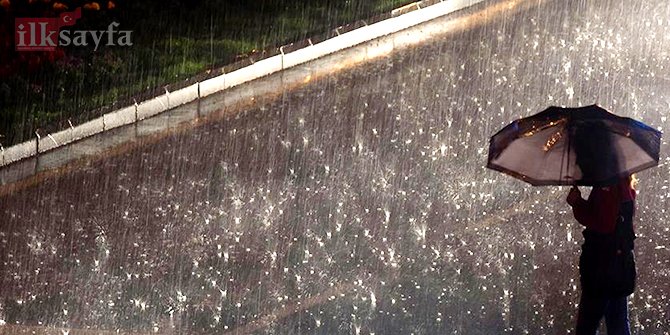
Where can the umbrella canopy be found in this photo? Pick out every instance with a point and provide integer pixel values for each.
(574, 146)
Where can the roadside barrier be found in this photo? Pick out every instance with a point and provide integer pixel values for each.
(386, 35)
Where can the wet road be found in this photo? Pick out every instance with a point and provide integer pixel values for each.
(356, 204)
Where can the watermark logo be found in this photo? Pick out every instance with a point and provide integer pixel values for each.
(45, 34)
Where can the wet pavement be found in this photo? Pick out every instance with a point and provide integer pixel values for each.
(358, 203)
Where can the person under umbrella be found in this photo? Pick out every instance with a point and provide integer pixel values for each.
(606, 265)
(587, 146)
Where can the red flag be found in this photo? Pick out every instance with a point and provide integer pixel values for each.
(69, 18)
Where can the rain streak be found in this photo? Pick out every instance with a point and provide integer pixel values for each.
(358, 203)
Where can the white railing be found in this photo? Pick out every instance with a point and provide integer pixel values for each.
(259, 69)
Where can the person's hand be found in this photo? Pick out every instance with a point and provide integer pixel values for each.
(574, 195)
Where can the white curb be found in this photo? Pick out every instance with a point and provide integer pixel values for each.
(262, 68)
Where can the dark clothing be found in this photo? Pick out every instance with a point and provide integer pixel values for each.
(606, 265)
(592, 310)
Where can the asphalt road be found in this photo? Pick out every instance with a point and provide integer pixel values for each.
(358, 203)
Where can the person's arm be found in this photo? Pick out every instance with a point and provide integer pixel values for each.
(581, 209)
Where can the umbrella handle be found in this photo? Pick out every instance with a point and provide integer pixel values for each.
(567, 154)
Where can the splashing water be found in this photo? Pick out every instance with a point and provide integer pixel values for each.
(356, 204)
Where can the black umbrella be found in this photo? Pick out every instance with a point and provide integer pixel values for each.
(574, 146)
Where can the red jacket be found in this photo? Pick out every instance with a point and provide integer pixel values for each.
(599, 212)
